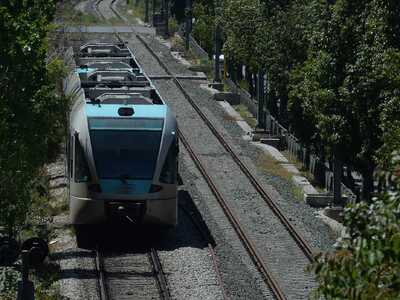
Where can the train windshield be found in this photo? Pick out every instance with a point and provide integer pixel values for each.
(126, 152)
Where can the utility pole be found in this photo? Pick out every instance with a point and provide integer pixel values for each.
(166, 18)
(261, 100)
(146, 16)
(188, 25)
(217, 76)
(153, 10)
(217, 41)
(164, 14)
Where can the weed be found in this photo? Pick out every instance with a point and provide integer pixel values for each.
(304, 171)
(298, 193)
(246, 115)
(267, 163)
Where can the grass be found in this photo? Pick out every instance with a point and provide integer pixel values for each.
(134, 10)
(246, 115)
(304, 172)
(70, 16)
(85, 19)
(298, 193)
(197, 65)
(267, 163)
(244, 85)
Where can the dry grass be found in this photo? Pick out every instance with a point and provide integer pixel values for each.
(268, 164)
(304, 172)
(246, 115)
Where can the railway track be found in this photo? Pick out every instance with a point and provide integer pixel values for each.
(249, 245)
(291, 229)
(131, 276)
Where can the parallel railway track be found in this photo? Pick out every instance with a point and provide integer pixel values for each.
(233, 219)
(247, 242)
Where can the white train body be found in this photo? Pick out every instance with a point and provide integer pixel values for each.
(122, 143)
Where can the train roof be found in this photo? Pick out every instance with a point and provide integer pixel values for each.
(109, 83)
(104, 50)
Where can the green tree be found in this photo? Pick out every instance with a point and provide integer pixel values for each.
(271, 36)
(203, 27)
(31, 111)
(241, 20)
(366, 262)
(347, 80)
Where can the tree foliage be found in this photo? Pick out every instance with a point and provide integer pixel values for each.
(204, 24)
(331, 71)
(347, 81)
(366, 262)
(32, 112)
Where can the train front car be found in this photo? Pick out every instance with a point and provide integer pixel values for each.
(123, 155)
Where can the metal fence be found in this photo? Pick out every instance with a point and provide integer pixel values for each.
(196, 48)
(310, 162)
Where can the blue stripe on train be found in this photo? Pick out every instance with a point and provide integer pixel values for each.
(140, 111)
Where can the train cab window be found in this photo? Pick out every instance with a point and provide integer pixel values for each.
(82, 173)
(170, 168)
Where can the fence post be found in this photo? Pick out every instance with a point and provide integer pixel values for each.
(260, 94)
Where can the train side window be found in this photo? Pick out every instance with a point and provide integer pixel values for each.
(170, 168)
(82, 173)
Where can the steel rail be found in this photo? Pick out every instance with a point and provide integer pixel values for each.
(210, 249)
(103, 17)
(258, 261)
(162, 283)
(307, 250)
(248, 244)
(103, 292)
(97, 10)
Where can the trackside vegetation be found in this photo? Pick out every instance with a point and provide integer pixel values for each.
(366, 262)
(333, 80)
(32, 108)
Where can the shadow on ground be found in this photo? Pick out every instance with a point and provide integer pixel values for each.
(191, 231)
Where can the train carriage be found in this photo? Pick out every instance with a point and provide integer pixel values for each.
(123, 145)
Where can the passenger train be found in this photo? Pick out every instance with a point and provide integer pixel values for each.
(122, 145)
